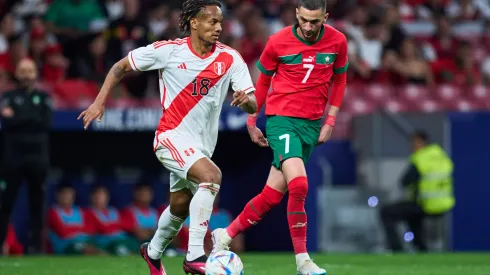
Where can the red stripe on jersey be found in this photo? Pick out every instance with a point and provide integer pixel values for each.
(248, 88)
(185, 101)
(172, 152)
(160, 76)
(132, 60)
(179, 156)
(159, 44)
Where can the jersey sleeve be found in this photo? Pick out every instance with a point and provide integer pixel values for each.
(151, 57)
(268, 61)
(240, 76)
(341, 62)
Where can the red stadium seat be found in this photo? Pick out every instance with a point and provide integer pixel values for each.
(480, 94)
(76, 93)
(429, 106)
(378, 93)
(447, 93)
(412, 93)
(396, 106)
(358, 106)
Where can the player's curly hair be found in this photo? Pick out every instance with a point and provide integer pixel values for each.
(190, 8)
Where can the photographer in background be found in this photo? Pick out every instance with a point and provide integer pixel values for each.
(25, 115)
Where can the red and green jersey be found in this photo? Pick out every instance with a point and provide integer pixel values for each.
(303, 71)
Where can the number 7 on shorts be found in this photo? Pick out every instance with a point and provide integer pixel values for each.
(286, 145)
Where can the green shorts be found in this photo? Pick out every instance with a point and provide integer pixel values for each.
(291, 137)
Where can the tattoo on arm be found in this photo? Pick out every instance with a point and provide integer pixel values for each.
(118, 71)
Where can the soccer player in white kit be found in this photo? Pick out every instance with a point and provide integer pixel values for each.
(195, 74)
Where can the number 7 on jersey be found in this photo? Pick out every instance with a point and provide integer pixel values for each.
(310, 68)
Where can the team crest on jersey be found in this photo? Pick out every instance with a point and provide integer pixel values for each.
(219, 68)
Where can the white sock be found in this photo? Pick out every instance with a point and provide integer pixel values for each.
(301, 258)
(168, 227)
(200, 211)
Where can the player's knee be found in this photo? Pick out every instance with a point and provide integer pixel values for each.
(211, 176)
(271, 196)
(298, 187)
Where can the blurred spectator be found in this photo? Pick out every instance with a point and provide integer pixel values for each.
(25, 115)
(55, 64)
(71, 20)
(460, 70)
(431, 9)
(127, 33)
(287, 17)
(94, 64)
(467, 10)
(158, 20)
(409, 66)
(37, 46)
(108, 225)
(391, 25)
(16, 52)
(140, 219)
(7, 29)
(69, 228)
(12, 245)
(255, 37)
(114, 8)
(443, 44)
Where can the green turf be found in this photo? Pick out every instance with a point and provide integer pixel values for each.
(261, 264)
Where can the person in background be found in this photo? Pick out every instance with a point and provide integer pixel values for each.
(140, 219)
(25, 115)
(429, 178)
(109, 233)
(12, 245)
(69, 229)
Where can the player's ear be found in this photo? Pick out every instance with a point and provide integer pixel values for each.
(193, 23)
(326, 17)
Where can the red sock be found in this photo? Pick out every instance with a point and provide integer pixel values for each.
(298, 189)
(254, 211)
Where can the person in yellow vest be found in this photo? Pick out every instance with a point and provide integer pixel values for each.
(429, 180)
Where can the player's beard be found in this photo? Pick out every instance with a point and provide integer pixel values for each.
(309, 35)
(207, 43)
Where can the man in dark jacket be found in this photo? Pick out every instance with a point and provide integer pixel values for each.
(25, 115)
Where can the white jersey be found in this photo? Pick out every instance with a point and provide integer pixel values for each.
(193, 88)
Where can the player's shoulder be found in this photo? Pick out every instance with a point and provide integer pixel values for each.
(221, 47)
(170, 44)
(331, 32)
(281, 35)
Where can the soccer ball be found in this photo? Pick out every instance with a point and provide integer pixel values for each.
(224, 263)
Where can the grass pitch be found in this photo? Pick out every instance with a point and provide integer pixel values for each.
(260, 264)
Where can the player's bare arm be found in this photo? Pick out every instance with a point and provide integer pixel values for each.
(96, 110)
(247, 102)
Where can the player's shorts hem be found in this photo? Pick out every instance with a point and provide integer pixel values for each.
(279, 166)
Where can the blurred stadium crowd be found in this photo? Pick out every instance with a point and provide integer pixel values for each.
(404, 54)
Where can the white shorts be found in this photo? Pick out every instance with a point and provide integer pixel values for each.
(177, 153)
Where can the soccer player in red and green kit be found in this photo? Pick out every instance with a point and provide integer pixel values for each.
(302, 62)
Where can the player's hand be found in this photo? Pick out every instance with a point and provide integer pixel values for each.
(257, 136)
(325, 133)
(94, 111)
(243, 100)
